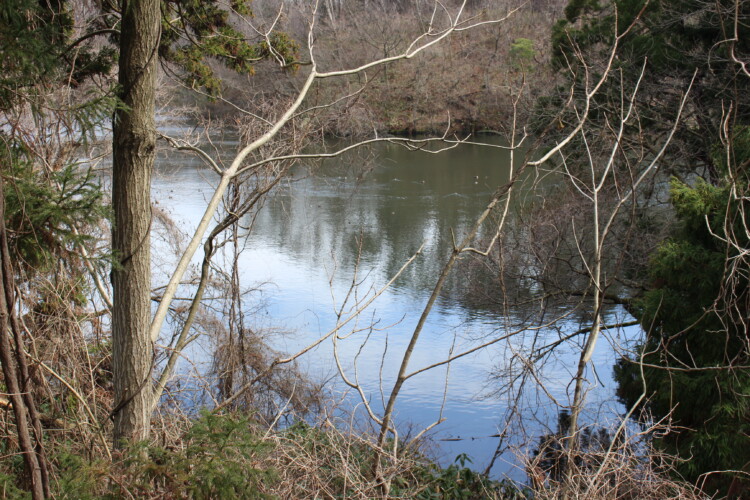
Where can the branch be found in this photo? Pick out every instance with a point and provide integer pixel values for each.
(236, 167)
(313, 345)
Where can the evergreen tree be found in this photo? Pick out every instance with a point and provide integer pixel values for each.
(695, 309)
(695, 317)
(39, 61)
(675, 39)
(37, 205)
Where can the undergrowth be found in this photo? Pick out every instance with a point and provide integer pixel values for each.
(232, 456)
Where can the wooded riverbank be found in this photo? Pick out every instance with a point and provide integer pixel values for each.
(623, 185)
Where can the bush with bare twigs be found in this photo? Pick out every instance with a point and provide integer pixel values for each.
(602, 463)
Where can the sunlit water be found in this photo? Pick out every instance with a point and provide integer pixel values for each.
(301, 253)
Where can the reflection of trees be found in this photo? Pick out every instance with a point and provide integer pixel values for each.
(409, 199)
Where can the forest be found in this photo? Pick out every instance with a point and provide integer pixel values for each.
(615, 224)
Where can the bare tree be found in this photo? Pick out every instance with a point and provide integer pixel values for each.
(622, 176)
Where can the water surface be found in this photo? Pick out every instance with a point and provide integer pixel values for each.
(316, 231)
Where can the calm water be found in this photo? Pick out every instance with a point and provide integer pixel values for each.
(302, 251)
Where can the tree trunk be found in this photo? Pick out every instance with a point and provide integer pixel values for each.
(32, 455)
(133, 149)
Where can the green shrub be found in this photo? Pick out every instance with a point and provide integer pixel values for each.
(218, 461)
(459, 482)
(9, 490)
(522, 54)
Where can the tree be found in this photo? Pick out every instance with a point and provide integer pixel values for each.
(42, 199)
(142, 46)
(693, 362)
(676, 38)
(134, 148)
(593, 231)
(690, 298)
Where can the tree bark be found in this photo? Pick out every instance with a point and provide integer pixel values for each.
(133, 150)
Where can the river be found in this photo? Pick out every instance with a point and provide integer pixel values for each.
(301, 253)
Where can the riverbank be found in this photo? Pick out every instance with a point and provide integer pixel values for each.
(474, 82)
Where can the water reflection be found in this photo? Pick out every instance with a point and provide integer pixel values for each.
(409, 199)
(313, 232)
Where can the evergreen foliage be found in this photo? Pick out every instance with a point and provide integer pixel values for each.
(195, 32)
(30, 47)
(675, 39)
(216, 461)
(38, 58)
(695, 309)
(522, 54)
(42, 211)
(694, 315)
